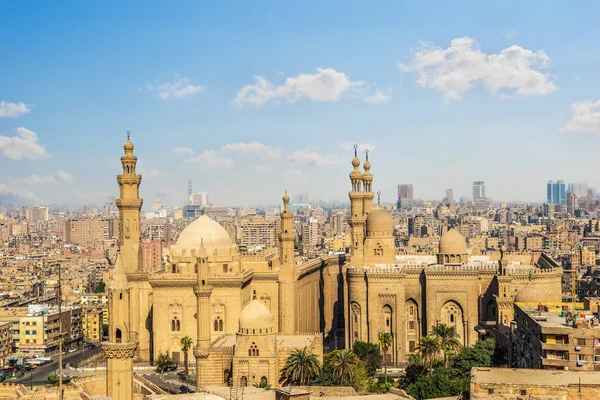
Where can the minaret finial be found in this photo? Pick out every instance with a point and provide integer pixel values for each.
(379, 198)
(355, 150)
(367, 154)
(128, 133)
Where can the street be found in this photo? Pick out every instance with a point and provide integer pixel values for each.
(40, 374)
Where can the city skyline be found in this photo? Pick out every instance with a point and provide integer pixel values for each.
(205, 98)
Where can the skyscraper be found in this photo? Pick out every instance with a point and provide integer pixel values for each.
(571, 204)
(449, 196)
(405, 191)
(478, 191)
(556, 192)
(578, 189)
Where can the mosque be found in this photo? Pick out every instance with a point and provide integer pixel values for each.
(245, 313)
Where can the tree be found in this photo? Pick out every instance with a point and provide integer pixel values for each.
(104, 329)
(186, 344)
(342, 363)
(428, 348)
(385, 342)
(448, 339)
(100, 288)
(368, 354)
(300, 367)
(163, 361)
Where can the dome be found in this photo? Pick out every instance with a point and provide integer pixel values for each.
(452, 242)
(128, 146)
(355, 162)
(203, 230)
(256, 319)
(379, 222)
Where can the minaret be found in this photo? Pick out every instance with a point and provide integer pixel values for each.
(129, 204)
(367, 179)
(203, 290)
(121, 346)
(357, 217)
(287, 295)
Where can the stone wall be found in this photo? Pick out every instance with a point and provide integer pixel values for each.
(330, 391)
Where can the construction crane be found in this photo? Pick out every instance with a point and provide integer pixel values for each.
(572, 246)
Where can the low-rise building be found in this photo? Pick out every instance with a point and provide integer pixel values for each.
(5, 342)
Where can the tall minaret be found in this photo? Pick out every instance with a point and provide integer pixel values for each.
(287, 305)
(121, 346)
(203, 290)
(367, 179)
(357, 218)
(129, 204)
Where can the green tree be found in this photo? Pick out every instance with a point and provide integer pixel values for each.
(385, 342)
(100, 287)
(342, 364)
(479, 355)
(104, 329)
(186, 344)
(448, 339)
(428, 348)
(163, 361)
(300, 367)
(368, 354)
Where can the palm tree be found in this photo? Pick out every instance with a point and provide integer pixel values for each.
(342, 364)
(385, 342)
(428, 348)
(447, 337)
(186, 343)
(300, 367)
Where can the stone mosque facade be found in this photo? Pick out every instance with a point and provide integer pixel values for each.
(245, 313)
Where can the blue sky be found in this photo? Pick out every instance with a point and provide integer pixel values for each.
(249, 99)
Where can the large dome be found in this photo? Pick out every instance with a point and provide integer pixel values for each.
(203, 230)
(379, 222)
(452, 242)
(256, 318)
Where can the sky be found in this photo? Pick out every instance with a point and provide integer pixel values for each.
(250, 99)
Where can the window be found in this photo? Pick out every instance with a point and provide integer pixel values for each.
(580, 342)
(175, 324)
(451, 317)
(411, 346)
(490, 391)
(253, 351)
(523, 392)
(387, 322)
(34, 332)
(411, 310)
(218, 324)
(225, 267)
(411, 325)
(27, 332)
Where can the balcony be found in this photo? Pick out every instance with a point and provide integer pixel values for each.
(546, 362)
(556, 346)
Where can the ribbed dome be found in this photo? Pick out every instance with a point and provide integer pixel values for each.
(452, 242)
(256, 318)
(128, 146)
(203, 230)
(379, 222)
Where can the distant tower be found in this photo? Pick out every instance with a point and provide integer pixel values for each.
(189, 191)
(122, 345)
(478, 191)
(449, 196)
(357, 218)
(203, 290)
(286, 270)
(129, 205)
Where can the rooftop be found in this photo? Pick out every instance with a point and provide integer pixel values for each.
(537, 377)
(553, 315)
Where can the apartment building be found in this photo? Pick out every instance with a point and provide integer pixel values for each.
(257, 232)
(86, 231)
(5, 342)
(92, 324)
(562, 336)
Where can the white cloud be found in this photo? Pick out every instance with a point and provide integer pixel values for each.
(210, 159)
(292, 174)
(586, 117)
(10, 110)
(257, 148)
(183, 150)
(455, 70)
(379, 97)
(326, 85)
(19, 192)
(23, 146)
(59, 177)
(179, 89)
(312, 158)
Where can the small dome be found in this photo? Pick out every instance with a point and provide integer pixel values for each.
(128, 146)
(452, 242)
(256, 318)
(355, 162)
(379, 222)
(286, 198)
(203, 230)
(367, 165)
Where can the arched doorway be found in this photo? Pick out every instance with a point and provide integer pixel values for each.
(226, 377)
(263, 382)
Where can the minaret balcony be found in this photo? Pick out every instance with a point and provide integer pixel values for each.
(119, 350)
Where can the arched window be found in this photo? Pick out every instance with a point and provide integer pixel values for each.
(118, 335)
(253, 351)
(178, 325)
(243, 381)
(220, 325)
(216, 325)
(263, 382)
(226, 378)
(412, 310)
(175, 324)
(451, 317)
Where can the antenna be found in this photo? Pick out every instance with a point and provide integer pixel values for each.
(367, 154)
(355, 150)
(379, 198)
(128, 133)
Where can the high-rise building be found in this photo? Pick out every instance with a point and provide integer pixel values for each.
(449, 196)
(36, 214)
(571, 204)
(556, 192)
(199, 199)
(478, 191)
(578, 189)
(405, 191)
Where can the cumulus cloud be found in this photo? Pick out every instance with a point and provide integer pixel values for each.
(179, 89)
(11, 110)
(312, 158)
(183, 150)
(23, 146)
(326, 85)
(257, 148)
(379, 97)
(585, 118)
(455, 70)
(59, 177)
(16, 191)
(210, 159)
